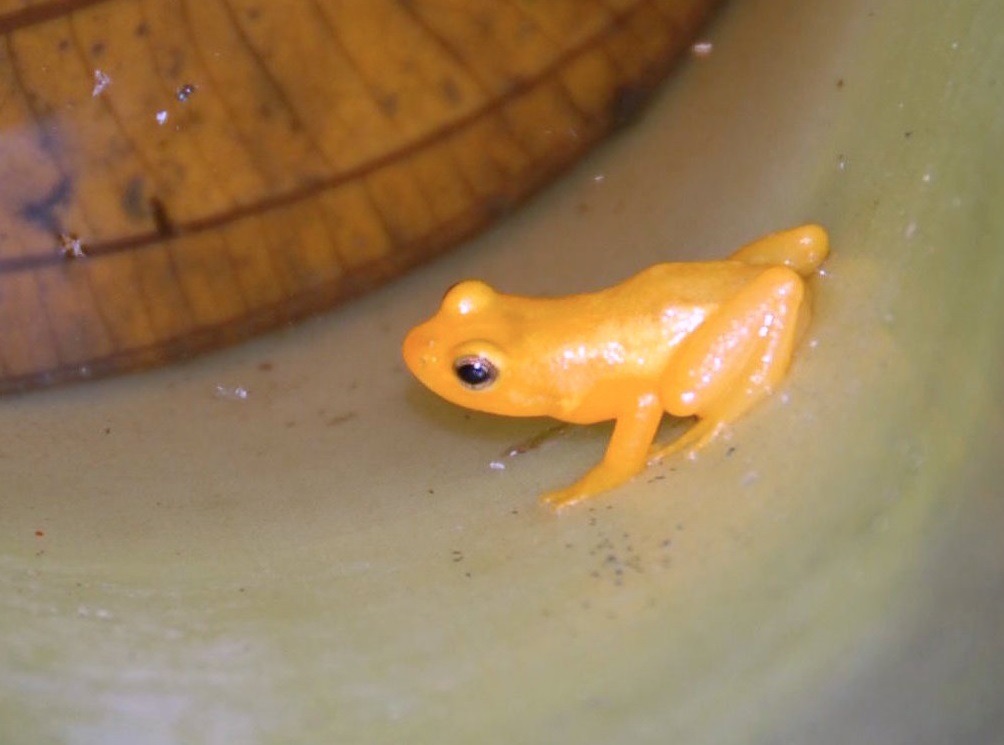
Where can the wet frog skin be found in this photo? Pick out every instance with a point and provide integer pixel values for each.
(698, 339)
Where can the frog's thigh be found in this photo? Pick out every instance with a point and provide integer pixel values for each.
(735, 357)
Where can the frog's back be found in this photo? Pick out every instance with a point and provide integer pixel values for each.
(684, 285)
(679, 287)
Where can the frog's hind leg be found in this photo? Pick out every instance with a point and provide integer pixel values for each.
(803, 249)
(735, 358)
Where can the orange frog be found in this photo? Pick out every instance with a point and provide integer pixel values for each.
(703, 339)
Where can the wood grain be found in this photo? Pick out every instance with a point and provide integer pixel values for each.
(178, 175)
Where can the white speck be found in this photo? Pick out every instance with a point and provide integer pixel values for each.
(161, 117)
(599, 178)
(232, 393)
(613, 353)
(955, 45)
(496, 465)
(688, 397)
(841, 162)
(749, 478)
(71, 246)
(785, 397)
(910, 230)
(702, 48)
(768, 321)
(823, 273)
(926, 178)
(101, 613)
(101, 82)
(813, 343)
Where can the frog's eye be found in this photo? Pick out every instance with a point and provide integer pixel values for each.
(469, 296)
(475, 372)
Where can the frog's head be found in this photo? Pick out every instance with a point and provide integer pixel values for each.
(461, 353)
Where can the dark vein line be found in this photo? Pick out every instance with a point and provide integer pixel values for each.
(170, 258)
(300, 125)
(274, 84)
(252, 158)
(42, 13)
(170, 91)
(446, 151)
(18, 79)
(316, 203)
(458, 58)
(367, 191)
(370, 87)
(317, 206)
(626, 28)
(451, 50)
(315, 186)
(280, 91)
(105, 104)
(203, 337)
(220, 96)
(158, 210)
(559, 85)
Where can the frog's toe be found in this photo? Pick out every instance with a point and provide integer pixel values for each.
(561, 498)
(691, 441)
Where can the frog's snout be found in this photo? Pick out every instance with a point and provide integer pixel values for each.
(420, 350)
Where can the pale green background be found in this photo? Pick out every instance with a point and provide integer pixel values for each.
(332, 561)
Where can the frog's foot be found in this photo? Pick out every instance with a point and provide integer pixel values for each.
(559, 499)
(803, 249)
(599, 479)
(694, 439)
(624, 459)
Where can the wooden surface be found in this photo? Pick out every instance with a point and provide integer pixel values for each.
(179, 175)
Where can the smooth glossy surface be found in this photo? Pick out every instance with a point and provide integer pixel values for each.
(702, 339)
(329, 558)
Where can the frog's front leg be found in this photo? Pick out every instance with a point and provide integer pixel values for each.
(735, 357)
(626, 454)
